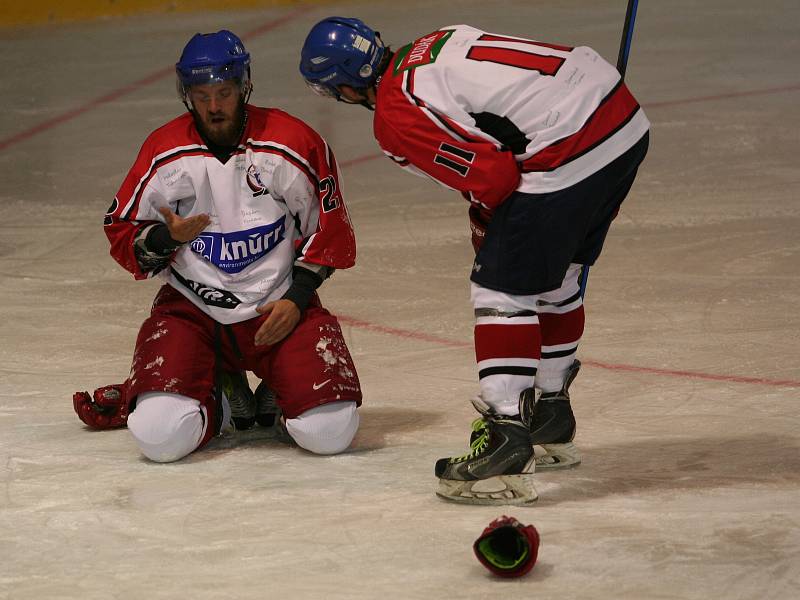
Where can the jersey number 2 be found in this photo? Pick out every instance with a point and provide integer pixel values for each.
(327, 194)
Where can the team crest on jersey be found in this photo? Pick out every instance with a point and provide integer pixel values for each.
(254, 181)
(423, 51)
(235, 251)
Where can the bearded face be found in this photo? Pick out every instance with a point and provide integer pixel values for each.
(218, 111)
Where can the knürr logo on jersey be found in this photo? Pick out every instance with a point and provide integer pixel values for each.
(235, 251)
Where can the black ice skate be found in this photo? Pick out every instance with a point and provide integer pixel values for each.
(240, 397)
(498, 469)
(553, 425)
(268, 413)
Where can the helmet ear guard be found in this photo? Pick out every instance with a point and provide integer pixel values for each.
(340, 51)
(211, 58)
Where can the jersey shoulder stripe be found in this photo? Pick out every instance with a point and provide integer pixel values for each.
(612, 114)
(130, 205)
(287, 154)
(179, 132)
(443, 121)
(268, 130)
(272, 125)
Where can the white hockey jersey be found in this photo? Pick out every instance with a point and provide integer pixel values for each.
(277, 199)
(487, 114)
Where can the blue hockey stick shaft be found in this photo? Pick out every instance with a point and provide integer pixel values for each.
(627, 36)
(622, 64)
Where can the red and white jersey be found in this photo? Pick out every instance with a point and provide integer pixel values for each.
(488, 114)
(276, 200)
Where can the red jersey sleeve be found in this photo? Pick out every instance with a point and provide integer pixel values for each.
(413, 134)
(333, 244)
(121, 223)
(314, 195)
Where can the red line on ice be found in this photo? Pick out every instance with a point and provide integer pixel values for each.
(415, 335)
(273, 24)
(130, 88)
(360, 159)
(267, 27)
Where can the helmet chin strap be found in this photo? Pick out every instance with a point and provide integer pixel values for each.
(363, 102)
(243, 123)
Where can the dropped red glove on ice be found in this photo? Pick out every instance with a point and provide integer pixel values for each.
(507, 547)
(107, 408)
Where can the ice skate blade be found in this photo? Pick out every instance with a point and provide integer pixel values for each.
(501, 490)
(558, 456)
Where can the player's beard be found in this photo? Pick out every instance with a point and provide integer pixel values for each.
(222, 129)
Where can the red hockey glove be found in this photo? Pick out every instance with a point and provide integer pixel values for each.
(106, 410)
(478, 221)
(507, 547)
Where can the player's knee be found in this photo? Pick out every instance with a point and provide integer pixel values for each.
(325, 429)
(166, 426)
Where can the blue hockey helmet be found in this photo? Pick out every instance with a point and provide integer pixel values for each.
(213, 58)
(340, 51)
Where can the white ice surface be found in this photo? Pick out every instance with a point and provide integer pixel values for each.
(689, 485)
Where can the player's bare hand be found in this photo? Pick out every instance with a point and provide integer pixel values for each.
(281, 317)
(184, 230)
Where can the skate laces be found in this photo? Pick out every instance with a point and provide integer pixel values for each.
(478, 425)
(478, 445)
(265, 400)
(236, 390)
(236, 398)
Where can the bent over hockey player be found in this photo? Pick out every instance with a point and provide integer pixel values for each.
(239, 209)
(544, 142)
